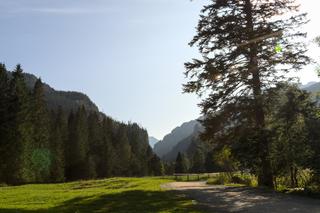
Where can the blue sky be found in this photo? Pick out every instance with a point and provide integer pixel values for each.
(126, 55)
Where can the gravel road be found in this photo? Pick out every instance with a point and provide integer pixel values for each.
(224, 199)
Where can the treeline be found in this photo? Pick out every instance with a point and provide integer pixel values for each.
(38, 145)
(252, 111)
(202, 157)
(293, 128)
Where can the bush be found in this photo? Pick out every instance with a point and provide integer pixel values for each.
(3, 185)
(313, 189)
(305, 178)
(245, 178)
(237, 178)
(220, 179)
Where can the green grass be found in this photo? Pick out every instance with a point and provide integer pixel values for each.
(110, 195)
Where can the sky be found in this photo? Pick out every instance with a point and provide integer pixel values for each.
(127, 56)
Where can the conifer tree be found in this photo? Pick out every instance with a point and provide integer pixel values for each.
(107, 162)
(247, 47)
(78, 146)
(156, 166)
(181, 164)
(58, 142)
(21, 131)
(95, 143)
(4, 95)
(209, 162)
(41, 156)
(69, 152)
(198, 161)
(123, 151)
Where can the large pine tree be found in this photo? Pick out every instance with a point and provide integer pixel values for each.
(247, 47)
(21, 131)
(58, 142)
(4, 101)
(181, 165)
(96, 143)
(41, 156)
(108, 158)
(124, 152)
(78, 147)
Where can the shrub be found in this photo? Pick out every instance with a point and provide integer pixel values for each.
(237, 178)
(3, 185)
(220, 179)
(245, 178)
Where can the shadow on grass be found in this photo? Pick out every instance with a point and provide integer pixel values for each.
(126, 202)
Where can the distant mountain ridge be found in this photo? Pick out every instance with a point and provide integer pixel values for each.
(182, 138)
(185, 145)
(312, 87)
(171, 140)
(68, 100)
(152, 141)
(309, 84)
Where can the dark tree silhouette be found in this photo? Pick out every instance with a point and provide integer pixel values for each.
(247, 47)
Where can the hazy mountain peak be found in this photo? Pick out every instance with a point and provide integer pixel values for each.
(172, 139)
(152, 141)
(309, 84)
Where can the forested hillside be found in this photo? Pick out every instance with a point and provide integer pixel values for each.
(185, 145)
(68, 100)
(197, 154)
(255, 116)
(49, 136)
(171, 140)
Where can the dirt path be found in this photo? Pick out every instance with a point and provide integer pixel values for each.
(221, 199)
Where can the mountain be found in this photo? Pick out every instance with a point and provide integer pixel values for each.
(153, 141)
(184, 138)
(312, 87)
(164, 146)
(66, 99)
(186, 145)
(309, 84)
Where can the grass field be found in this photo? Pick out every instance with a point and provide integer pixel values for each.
(110, 195)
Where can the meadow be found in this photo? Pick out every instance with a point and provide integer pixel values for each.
(108, 195)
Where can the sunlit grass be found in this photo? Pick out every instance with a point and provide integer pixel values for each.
(109, 195)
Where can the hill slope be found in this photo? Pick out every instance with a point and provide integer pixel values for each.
(171, 140)
(66, 99)
(182, 138)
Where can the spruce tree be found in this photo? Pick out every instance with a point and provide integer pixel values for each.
(209, 163)
(4, 101)
(58, 143)
(291, 146)
(107, 162)
(198, 161)
(181, 164)
(123, 151)
(21, 131)
(156, 166)
(41, 156)
(69, 152)
(95, 143)
(78, 147)
(247, 47)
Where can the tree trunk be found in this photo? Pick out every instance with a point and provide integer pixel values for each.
(295, 176)
(292, 177)
(265, 177)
